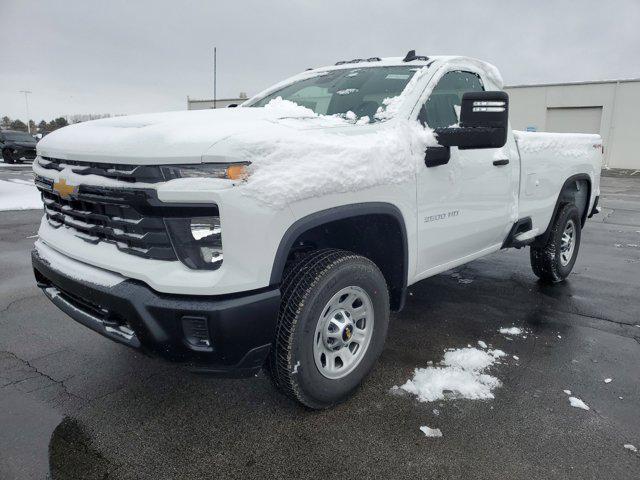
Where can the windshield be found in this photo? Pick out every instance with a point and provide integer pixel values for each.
(18, 136)
(359, 90)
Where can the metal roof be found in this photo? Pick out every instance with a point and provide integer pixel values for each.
(562, 84)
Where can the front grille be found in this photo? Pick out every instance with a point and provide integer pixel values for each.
(115, 171)
(113, 215)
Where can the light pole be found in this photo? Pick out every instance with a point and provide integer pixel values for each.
(26, 102)
(214, 77)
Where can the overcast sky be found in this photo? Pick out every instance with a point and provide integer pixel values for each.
(86, 56)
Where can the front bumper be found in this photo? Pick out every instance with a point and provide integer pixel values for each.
(23, 152)
(240, 328)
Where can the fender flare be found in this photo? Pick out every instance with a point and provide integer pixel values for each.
(542, 239)
(338, 213)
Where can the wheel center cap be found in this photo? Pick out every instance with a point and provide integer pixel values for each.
(347, 333)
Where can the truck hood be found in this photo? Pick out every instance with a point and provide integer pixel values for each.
(171, 137)
(20, 143)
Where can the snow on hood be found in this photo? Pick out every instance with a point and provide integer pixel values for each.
(179, 137)
(294, 153)
(303, 164)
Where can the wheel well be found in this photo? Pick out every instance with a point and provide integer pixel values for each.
(576, 190)
(381, 237)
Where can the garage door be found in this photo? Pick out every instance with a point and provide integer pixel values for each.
(574, 119)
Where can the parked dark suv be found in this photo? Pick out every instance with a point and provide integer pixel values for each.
(17, 146)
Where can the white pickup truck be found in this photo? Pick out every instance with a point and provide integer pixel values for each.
(280, 233)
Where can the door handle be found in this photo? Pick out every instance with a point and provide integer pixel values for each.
(502, 161)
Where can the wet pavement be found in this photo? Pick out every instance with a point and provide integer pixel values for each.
(79, 406)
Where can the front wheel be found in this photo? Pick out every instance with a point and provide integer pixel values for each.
(331, 329)
(7, 155)
(554, 261)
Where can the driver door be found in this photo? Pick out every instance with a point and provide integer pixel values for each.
(464, 205)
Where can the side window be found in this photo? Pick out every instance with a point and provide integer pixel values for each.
(439, 110)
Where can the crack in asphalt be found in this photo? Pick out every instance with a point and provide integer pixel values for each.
(595, 317)
(13, 302)
(42, 374)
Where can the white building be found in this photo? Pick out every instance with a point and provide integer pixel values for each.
(204, 104)
(609, 108)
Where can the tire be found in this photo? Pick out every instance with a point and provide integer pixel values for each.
(554, 261)
(7, 156)
(314, 311)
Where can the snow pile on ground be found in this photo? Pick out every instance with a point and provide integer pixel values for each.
(17, 194)
(628, 446)
(576, 402)
(461, 376)
(511, 331)
(431, 432)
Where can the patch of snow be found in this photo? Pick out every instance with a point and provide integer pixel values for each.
(21, 181)
(436, 412)
(15, 165)
(577, 403)
(607, 380)
(347, 91)
(568, 392)
(559, 336)
(628, 446)
(350, 116)
(19, 195)
(562, 145)
(465, 281)
(511, 331)
(295, 368)
(461, 376)
(287, 108)
(482, 344)
(431, 432)
(515, 357)
(75, 269)
(304, 163)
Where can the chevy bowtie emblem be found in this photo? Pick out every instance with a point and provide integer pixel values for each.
(64, 190)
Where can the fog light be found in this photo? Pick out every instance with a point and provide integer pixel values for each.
(197, 241)
(196, 333)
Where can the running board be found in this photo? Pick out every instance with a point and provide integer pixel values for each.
(529, 235)
(521, 234)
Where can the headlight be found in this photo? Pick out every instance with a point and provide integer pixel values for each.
(230, 171)
(197, 241)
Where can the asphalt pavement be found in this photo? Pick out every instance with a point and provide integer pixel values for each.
(76, 405)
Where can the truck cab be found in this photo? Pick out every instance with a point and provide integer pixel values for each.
(279, 234)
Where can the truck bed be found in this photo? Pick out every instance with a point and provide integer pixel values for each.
(547, 161)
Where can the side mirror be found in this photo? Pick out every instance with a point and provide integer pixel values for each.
(484, 118)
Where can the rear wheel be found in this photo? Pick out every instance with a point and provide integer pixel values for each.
(331, 328)
(554, 261)
(7, 155)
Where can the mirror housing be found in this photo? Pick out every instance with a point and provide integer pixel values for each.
(484, 118)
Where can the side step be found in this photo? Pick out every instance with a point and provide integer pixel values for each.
(528, 235)
(521, 234)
